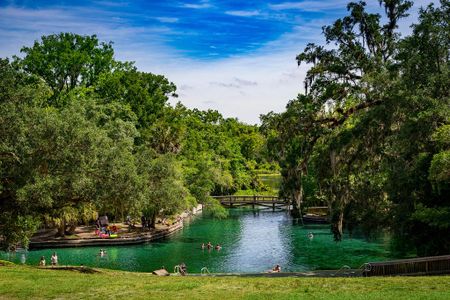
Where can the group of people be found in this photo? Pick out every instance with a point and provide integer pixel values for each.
(209, 246)
(104, 230)
(53, 259)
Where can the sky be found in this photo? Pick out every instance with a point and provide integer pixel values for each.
(237, 57)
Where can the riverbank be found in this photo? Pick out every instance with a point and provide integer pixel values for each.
(25, 282)
(86, 236)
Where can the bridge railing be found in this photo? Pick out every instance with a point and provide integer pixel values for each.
(250, 199)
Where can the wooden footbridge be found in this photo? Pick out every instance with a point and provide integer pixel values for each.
(273, 202)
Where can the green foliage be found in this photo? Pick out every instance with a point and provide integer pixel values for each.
(145, 93)
(66, 60)
(164, 189)
(371, 133)
(16, 229)
(83, 134)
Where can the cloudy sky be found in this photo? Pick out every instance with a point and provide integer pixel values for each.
(234, 56)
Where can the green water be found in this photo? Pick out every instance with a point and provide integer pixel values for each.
(251, 241)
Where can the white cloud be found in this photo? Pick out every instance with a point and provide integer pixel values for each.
(167, 19)
(246, 86)
(242, 86)
(265, 87)
(112, 3)
(243, 13)
(310, 5)
(201, 5)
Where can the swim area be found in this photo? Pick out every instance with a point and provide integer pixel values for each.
(252, 241)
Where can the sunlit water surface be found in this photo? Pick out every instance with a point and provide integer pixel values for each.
(252, 241)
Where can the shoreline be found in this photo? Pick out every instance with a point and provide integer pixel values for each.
(143, 237)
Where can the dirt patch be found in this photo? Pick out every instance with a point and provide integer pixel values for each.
(80, 269)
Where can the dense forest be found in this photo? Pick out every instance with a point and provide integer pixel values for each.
(84, 134)
(370, 137)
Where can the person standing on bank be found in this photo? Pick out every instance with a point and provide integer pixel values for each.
(54, 259)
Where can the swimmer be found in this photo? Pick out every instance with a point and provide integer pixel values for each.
(276, 269)
(209, 246)
(310, 236)
(203, 246)
(218, 247)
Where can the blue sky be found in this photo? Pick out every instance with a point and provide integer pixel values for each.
(234, 56)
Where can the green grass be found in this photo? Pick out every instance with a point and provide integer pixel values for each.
(24, 282)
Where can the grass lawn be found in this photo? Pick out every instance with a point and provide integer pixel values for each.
(25, 282)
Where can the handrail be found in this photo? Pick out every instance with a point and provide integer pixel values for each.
(177, 269)
(204, 271)
(344, 267)
(250, 199)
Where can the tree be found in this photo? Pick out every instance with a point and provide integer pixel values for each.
(66, 60)
(163, 189)
(147, 94)
(367, 98)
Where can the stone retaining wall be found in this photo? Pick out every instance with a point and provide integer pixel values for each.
(143, 238)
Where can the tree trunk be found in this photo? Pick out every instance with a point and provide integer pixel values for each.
(61, 230)
(337, 226)
(297, 203)
(122, 214)
(153, 220)
(71, 229)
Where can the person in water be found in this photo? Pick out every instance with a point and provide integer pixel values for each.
(54, 259)
(276, 269)
(102, 252)
(209, 245)
(183, 269)
(310, 235)
(218, 247)
(203, 246)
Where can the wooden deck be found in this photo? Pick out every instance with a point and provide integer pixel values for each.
(433, 265)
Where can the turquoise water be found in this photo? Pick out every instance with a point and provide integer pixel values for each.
(251, 241)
